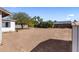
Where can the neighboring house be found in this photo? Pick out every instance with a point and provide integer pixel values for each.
(8, 25)
(62, 24)
(19, 27)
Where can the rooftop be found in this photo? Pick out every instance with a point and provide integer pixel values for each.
(75, 23)
(62, 22)
(4, 12)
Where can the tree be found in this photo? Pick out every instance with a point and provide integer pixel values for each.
(75, 20)
(55, 21)
(35, 21)
(45, 24)
(50, 23)
(21, 18)
(34, 18)
(31, 22)
(39, 19)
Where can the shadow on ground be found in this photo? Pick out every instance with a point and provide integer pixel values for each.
(53, 45)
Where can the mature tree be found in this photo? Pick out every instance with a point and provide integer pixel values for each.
(54, 20)
(39, 19)
(45, 24)
(31, 22)
(35, 21)
(75, 20)
(34, 18)
(50, 23)
(21, 18)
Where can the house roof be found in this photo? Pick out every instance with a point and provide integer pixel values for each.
(62, 22)
(75, 23)
(4, 12)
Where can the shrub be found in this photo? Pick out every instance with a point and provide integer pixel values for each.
(45, 25)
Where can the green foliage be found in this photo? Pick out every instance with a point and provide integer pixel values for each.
(21, 18)
(39, 20)
(48, 24)
(24, 19)
(31, 23)
(34, 21)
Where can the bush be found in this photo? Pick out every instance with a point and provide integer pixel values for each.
(32, 23)
(44, 25)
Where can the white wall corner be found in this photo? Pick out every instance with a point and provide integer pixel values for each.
(0, 27)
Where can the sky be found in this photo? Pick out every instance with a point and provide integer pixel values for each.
(49, 13)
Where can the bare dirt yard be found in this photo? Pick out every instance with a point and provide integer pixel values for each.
(37, 39)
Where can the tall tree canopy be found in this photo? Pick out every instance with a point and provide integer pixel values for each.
(21, 18)
(39, 19)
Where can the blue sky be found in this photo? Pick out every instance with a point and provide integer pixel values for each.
(49, 13)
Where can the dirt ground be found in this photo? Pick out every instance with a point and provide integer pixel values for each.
(28, 39)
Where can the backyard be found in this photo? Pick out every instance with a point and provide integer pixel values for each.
(33, 39)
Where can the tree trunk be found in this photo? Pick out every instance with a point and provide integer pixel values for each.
(21, 26)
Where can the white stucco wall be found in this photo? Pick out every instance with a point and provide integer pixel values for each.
(9, 29)
(75, 39)
(0, 27)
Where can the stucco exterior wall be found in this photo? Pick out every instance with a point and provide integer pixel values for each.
(0, 27)
(9, 29)
(75, 39)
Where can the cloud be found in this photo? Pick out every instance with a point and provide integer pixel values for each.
(68, 18)
(71, 15)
